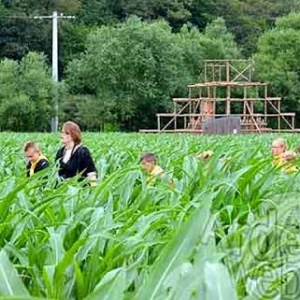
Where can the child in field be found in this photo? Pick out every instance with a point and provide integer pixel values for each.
(283, 158)
(36, 160)
(205, 155)
(153, 170)
(206, 158)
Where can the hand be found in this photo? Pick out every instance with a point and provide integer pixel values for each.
(289, 155)
(204, 155)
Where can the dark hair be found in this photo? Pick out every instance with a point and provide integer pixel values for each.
(74, 130)
(148, 157)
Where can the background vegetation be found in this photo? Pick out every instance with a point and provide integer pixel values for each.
(120, 62)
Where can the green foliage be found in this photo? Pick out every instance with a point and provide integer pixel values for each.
(133, 70)
(290, 21)
(217, 31)
(226, 231)
(248, 20)
(26, 94)
(277, 60)
(148, 51)
(131, 65)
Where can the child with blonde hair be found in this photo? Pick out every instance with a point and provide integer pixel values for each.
(36, 160)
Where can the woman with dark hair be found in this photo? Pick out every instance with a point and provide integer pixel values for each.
(74, 158)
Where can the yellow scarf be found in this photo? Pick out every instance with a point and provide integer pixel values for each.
(33, 164)
(157, 171)
(288, 167)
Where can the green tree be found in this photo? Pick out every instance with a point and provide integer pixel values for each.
(277, 60)
(215, 43)
(132, 65)
(134, 69)
(20, 33)
(26, 94)
(248, 19)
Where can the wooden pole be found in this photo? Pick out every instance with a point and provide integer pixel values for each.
(266, 105)
(279, 109)
(214, 102)
(175, 114)
(158, 123)
(228, 103)
(227, 71)
(245, 108)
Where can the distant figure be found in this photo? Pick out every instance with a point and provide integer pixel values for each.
(74, 158)
(36, 160)
(194, 123)
(153, 170)
(283, 158)
(203, 156)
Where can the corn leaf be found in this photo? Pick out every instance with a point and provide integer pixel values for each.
(10, 282)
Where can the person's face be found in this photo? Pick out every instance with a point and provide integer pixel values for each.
(147, 166)
(277, 148)
(32, 155)
(65, 137)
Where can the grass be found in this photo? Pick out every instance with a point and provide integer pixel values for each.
(229, 230)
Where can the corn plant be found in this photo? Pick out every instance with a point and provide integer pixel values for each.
(229, 229)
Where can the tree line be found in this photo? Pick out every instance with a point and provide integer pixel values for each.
(120, 63)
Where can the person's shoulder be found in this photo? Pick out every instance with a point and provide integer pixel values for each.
(28, 165)
(82, 149)
(158, 170)
(60, 151)
(44, 162)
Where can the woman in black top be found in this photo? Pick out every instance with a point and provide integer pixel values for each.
(74, 158)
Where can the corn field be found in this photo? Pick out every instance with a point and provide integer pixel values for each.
(230, 229)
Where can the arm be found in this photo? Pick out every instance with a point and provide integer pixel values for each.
(289, 155)
(204, 155)
(43, 164)
(27, 169)
(88, 166)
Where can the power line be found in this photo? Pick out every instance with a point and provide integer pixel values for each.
(54, 17)
(15, 17)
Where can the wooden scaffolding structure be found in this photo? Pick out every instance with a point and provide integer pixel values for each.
(227, 91)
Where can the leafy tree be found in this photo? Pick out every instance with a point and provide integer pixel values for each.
(277, 60)
(133, 65)
(20, 33)
(134, 69)
(248, 19)
(26, 94)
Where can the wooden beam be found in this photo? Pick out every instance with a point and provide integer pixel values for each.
(240, 73)
(224, 83)
(225, 99)
(227, 71)
(224, 115)
(252, 117)
(180, 111)
(282, 115)
(158, 122)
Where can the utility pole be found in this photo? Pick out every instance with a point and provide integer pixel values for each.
(55, 16)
